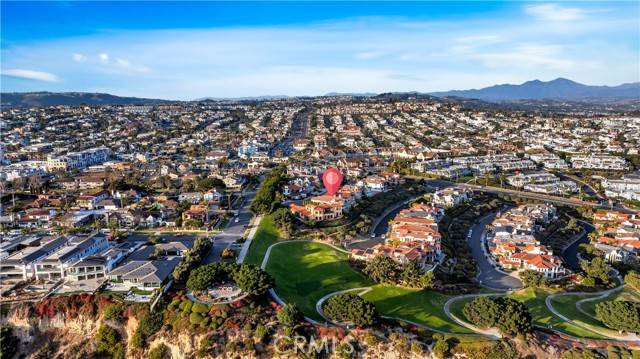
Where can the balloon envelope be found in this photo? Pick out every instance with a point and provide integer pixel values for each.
(332, 178)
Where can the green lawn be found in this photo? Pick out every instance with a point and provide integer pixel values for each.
(566, 305)
(534, 299)
(266, 235)
(423, 307)
(307, 271)
(627, 293)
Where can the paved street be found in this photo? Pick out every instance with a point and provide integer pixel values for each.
(234, 230)
(488, 275)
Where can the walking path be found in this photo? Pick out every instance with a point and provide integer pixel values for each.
(247, 243)
(598, 295)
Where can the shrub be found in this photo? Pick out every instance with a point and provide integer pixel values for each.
(195, 318)
(160, 351)
(109, 343)
(441, 348)
(113, 312)
(199, 308)
(149, 324)
(187, 306)
(289, 315)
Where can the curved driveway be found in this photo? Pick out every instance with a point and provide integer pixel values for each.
(488, 275)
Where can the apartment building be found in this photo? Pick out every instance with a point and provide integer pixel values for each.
(599, 162)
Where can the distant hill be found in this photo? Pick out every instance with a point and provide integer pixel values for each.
(558, 89)
(43, 99)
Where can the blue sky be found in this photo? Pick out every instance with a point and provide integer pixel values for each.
(188, 50)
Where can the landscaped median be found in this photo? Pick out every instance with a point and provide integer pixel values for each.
(305, 272)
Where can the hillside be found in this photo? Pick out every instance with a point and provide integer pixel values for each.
(43, 99)
(559, 89)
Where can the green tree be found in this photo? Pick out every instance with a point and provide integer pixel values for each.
(283, 219)
(597, 269)
(382, 270)
(350, 308)
(619, 315)
(414, 277)
(532, 278)
(266, 195)
(482, 312)
(514, 317)
(251, 279)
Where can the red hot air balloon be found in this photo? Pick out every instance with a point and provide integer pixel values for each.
(332, 178)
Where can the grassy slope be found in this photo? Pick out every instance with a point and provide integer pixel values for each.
(534, 300)
(566, 305)
(266, 235)
(424, 307)
(626, 294)
(305, 272)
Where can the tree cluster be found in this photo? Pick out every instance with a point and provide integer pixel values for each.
(509, 315)
(532, 278)
(385, 270)
(249, 278)
(283, 220)
(194, 256)
(619, 315)
(597, 271)
(265, 200)
(350, 308)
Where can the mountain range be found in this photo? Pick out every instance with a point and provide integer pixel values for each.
(560, 89)
(43, 99)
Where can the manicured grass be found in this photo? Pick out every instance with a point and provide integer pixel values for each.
(266, 235)
(627, 293)
(422, 307)
(566, 305)
(306, 271)
(534, 300)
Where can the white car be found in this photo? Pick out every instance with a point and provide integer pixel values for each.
(236, 220)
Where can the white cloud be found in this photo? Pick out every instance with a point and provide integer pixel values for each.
(104, 57)
(555, 12)
(79, 57)
(127, 65)
(31, 75)
(310, 59)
